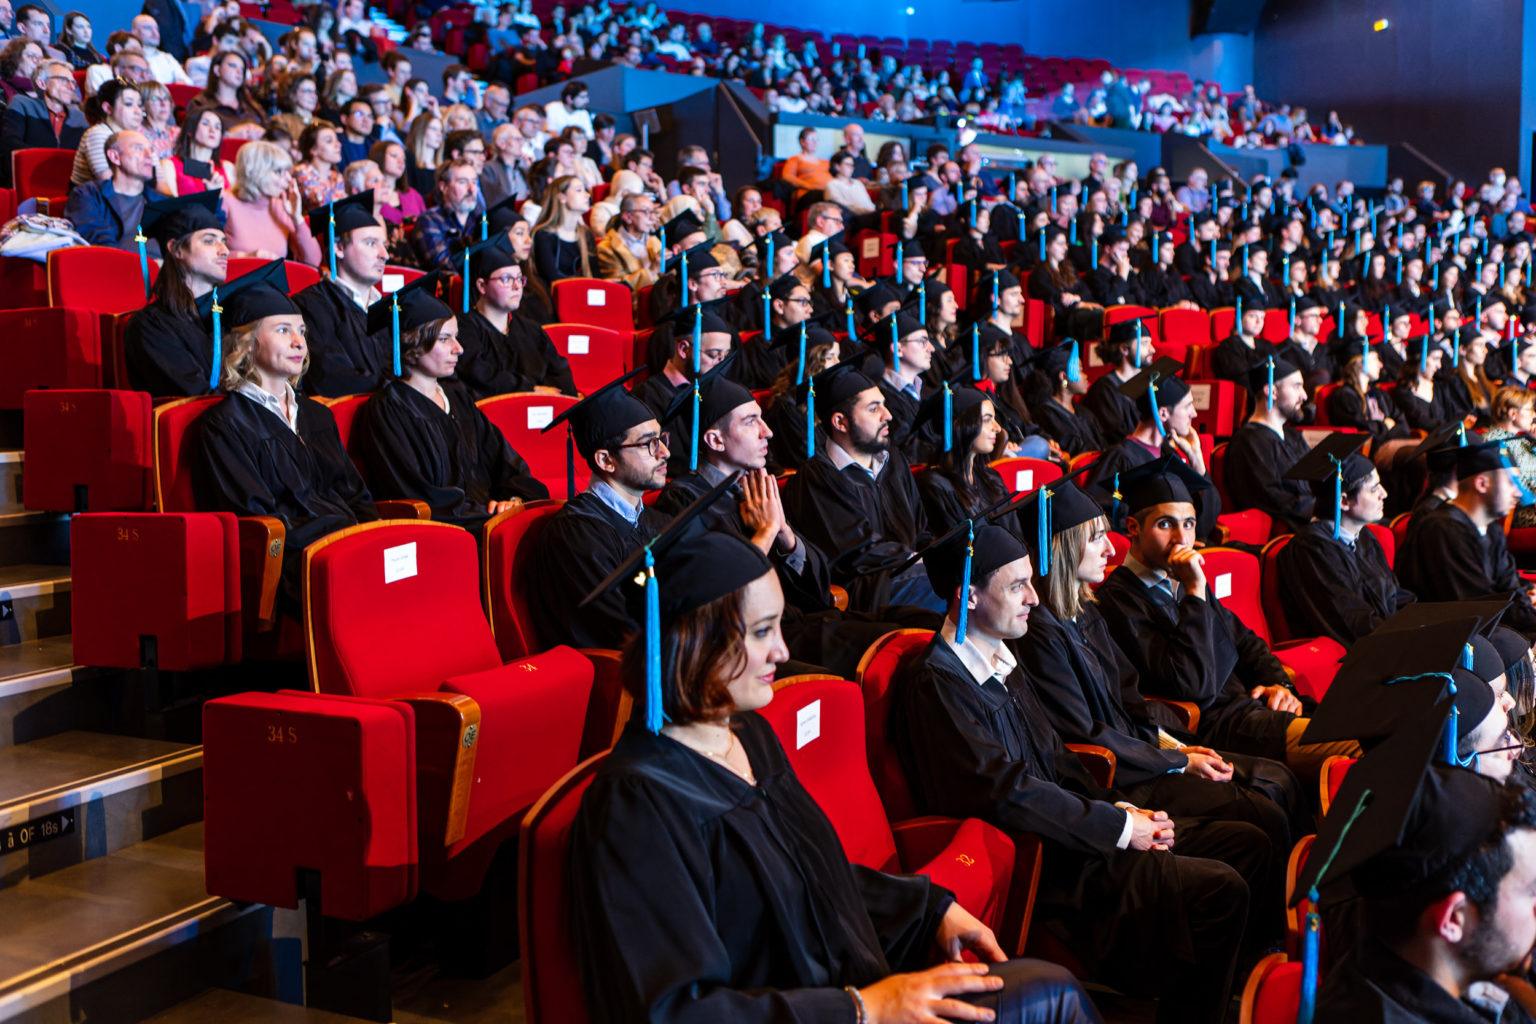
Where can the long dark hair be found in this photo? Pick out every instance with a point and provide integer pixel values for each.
(171, 289)
(184, 141)
(983, 488)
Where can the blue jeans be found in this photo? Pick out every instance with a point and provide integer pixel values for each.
(912, 588)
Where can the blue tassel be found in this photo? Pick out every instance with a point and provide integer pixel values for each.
(485, 227)
(330, 238)
(1041, 238)
(1157, 239)
(1452, 730)
(394, 329)
(1311, 931)
(1397, 274)
(994, 291)
(1115, 498)
(1338, 495)
(1157, 417)
(895, 346)
(1043, 529)
(810, 419)
(683, 276)
(1461, 435)
(922, 302)
(767, 317)
(1093, 250)
(466, 281)
(1237, 313)
(975, 352)
(1053, 198)
(655, 715)
(1074, 363)
(904, 203)
(1467, 657)
(1136, 349)
(826, 266)
(1478, 311)
(1245, 261)
(698, 337)
(800, 366)
(1291, 320)
(1072, 232)
(218, 342)
(662, 231)
(1502, 270)
(949, 413)
(693, 440)
(1455, 349)
(962, 620)
(1269, 401)
(1213, 251)
(848, 318)
(1340, 319)
(142, 240)
(959, 192)
(973, 211)
(768, 271)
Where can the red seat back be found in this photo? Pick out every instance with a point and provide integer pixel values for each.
(1399, 528)
(1233, 579)
(44, 347)
(1331, 778)
(1320, 398)
(509, 540)
(590, 300)
(552, 986)
(23, 283)
(1277, 324)
(878, 670)
(97, 278)
(1219, 407)
(521, 418)
(1223, 324)
(41, 173)
(1269, 583)
(820, 722)
(1020, 473)
(173, 474)
(394, 607)
(1185, 327)
(396, 278)
(344, 412)
(300, 275)
(182, 94)
(1387, 539)
(597, 355)
(1273, 992)
(86, 450)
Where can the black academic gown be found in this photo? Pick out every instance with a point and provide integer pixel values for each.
(1419, 413)
(1329, 588)
(945, 506)
(903, 409)
(1373, 985)
(785, 416)
(1444, 558)
(1257, 460)
(990, 752)
(866, 524)
(455, 461)
(576, 550)
(1196, 650)
(245, 460)
(522, 359)
(1210, 294)
(168, 353)
(1075, 432)
(1232, 359)
(344, 359)
(1347, 408)
(696, 896)
(1113, 414)
(1162, 288)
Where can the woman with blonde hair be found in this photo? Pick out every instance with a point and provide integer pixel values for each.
(159, 125)
(340, 89)
(459, 118)
(562, 242)
(264, 213)
(423, 152)
(1514, 414)
(266, 449)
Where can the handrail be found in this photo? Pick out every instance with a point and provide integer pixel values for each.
(1419, 155)
(741, 115)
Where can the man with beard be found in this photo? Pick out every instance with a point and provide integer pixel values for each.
(452, 224)
(856, 496)
(344, 359)
(1267, 445)
(624, 446)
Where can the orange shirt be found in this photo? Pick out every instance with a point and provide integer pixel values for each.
(807, 172)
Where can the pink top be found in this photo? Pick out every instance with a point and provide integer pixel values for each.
(187, 185)
(264, 226)
(411, 206)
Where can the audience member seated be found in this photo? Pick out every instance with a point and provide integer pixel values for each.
(109, 212)
(1267, 445)
(116, 107)
(264, 212)
(195, 164)
(48, 120)
(562, 243)
(454, 222)
(167, 348)
(505, 350)
(630, 252)
(346, 356)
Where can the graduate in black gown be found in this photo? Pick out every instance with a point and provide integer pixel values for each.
(266, 450)
(905, 354)
(505, 350)
(856, 500)
(1232, 359)
(422, 436)
(1162, 284)
(1124, 350)
(960, 483)
(1419, 395)
(166, 345)
(347, 359)
(975, 741)
(1267, 445)
(1457, 552)
(760, 361)
(1361, 403)
(1055, 378)
(1334, 577)
(706, 882)
(1210, 286)
(698, 326)
(785, 412)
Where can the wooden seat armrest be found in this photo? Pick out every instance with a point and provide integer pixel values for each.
(1186, 710)
(447, 730)
(262, 540)
(1100, 762)
(839, 597)
(403, 508)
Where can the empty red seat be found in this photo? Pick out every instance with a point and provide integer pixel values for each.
(590, 300)
(1223, 321)
(1021, 473)
(1277, 325)
(97, 278)
(1219, 406)
(1250, 526)
(41, 173)
(87, 449)
(1273, 992)
(521, 418)
(509, 537)
(877, 671)
(597, 355)
(23, 283)
(392, 610)
(44, 347)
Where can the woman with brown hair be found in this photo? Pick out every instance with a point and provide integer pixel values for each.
(960, 482)
(166, 346)
(194, 164)
(1514, 415)
(319, 180)
(1360, 403)
(228, 95)
(1468, 390)
(562, 242)
(785, 410)
(706, 882)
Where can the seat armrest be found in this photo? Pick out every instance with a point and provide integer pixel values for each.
(1186, 710)
(447, 729)
(920, 840)
(262, 539)
(1100, 762)
(839, 597)
(403, 508)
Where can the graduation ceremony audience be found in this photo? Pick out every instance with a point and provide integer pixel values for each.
(919, 391)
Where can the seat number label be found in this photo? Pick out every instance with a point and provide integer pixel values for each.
(807, 724)
(400, 562)
(38, 830)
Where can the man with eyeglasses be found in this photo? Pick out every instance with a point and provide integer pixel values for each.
(823, 221)
(383, 107)
(344, 359)
(49, 120)
(626, 451)
(630, 251)
(454, 222)
(356, 130)
(530, 121)
(505, 350)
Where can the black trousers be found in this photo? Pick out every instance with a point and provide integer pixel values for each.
(1037, 992)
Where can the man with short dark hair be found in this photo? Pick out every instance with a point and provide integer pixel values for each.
(34, 23)
(356, 130)
(570, 109)
(344, 359)
(459, 86)
(505, 350)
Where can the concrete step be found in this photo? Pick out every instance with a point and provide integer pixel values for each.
(228, 1007)
(124, 937)
(36, 678)
(34, 602)
(76, 796)
(34, 538)
(10, 480)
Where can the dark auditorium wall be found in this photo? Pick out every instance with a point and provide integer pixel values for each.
(1450, 78)
(1130, 33)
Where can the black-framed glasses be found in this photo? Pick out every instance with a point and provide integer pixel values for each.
(653, 446)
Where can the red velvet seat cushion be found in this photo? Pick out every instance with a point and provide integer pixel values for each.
(1315, 662)
(1279, 995)
(976, 866)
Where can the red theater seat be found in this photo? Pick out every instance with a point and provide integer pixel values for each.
(521, 418)
(1223, 324)
(1388, 541)
(1020, 473)
(509, 537)
(299, 782)
(344, 411)
(1185, 327)
(1250, 526)
(42, 174)
(1273, 992)
(87, 450)
(44, 347)
(392, 610)
(597, 355)
(23, 283)
(877, 671)
(300, 275)
(552, 986)
(1331, 778)
(590, 300)
(97, 278)
(1219, 407)
(820, 723)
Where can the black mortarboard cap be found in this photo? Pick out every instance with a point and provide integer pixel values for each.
(784, 285)
(992, 547)
(169, 217)
(1162, 481)
(875, 296)
(418, 303)
(1259, 373)
(1474, 458)
(718, 395)
(249, 297)
(485, 258)
(699, 259)
(503, 215)
(1169, 389)
(1306, 303)
(961, 399)
(351, 212)
(837, 384)
(610, 411)
(1125, 330)
(680, 227)
(1070, 506)
(1439, 448)
(1332, 460)
(1062, 357)
(780, 242)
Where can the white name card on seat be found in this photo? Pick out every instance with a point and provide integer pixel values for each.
(597, 297)
(392, 283)
(807, 724)
(400, 562)
(871, 248)
(1201, 395)
(540, 416)
(1024, 480)
(1223, 586)
(578, 344)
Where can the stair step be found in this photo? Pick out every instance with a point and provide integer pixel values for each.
(10, 480)
(124, 936)
(228, 1007)
(104, 793)
(34, 602)
(32, 538)
(35, 681)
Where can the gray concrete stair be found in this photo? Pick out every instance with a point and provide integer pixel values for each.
(34, 602)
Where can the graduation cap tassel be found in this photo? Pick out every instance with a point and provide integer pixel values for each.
(1455, 349)
(1114, 500)
(1461, 435)
(1502, 269)
(975, 352)
(1424, 359)
(330, 239)
(1043, 529)
(1156, 240)
(949, 412)
(1157, 416)
(693, 439)
(394, 330)
(1053, 198)
(922, 303)
(768, 271)
(1093, 254)
(994, 291)
(465, 288)
(810, 418)
(1338, 494)
(1074, 363)
(895, 346)
(1397, 274)
(1041, 238)
(683, 276)
(826, 266)
(904, 203)
(1237, 307)
(1311, 932)
(1245, 261)
(900, 256)
(141, 240)
(1269, 371)
(1452, 727)
(1136, 348)
(1072, 229)
(767, 316)
(1340, 323)
(962, 620)
(800, 365)
(218, 342)
(485, 227)
(663, 232)
(848, 317)
(1434, 278)
(655, 716)
(1291, 319)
